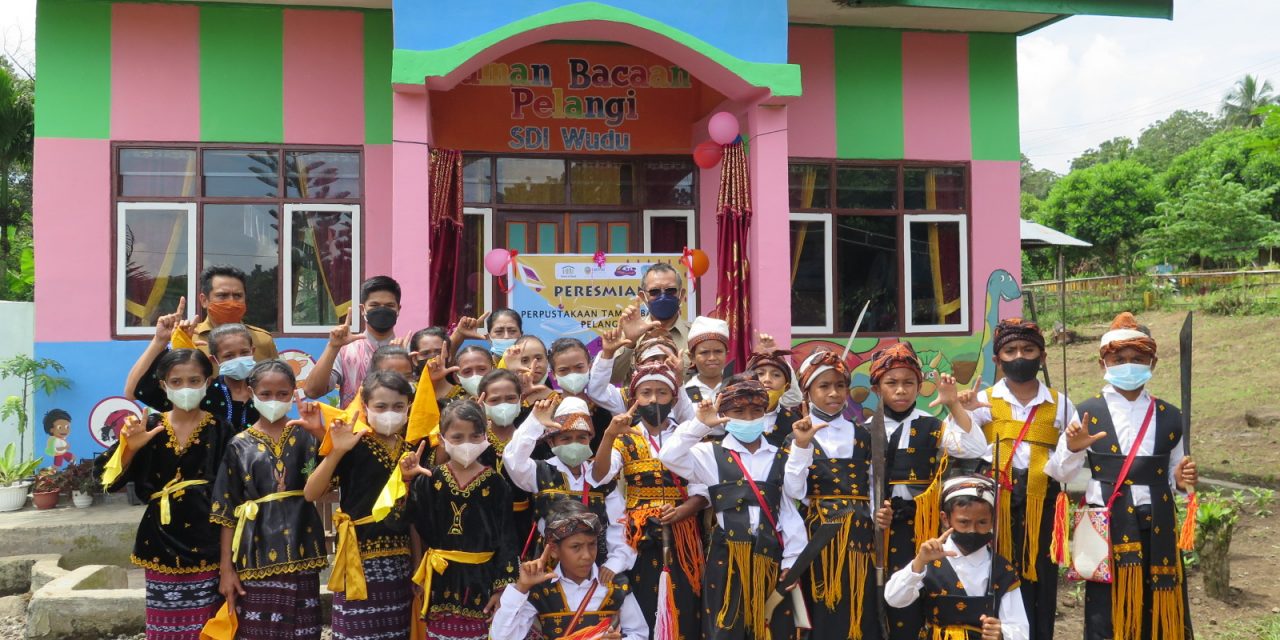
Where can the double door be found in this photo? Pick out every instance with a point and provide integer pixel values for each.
(533, 232)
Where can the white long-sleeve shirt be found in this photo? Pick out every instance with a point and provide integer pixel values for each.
(903, 587)
(602, 392)
(515, 616)
(1064, 416)
(690, 458)
(1126, 419)
(523, 471)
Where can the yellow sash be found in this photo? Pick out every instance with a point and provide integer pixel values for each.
(392, 492)
(249, 511)
(348, 570)
(172, 488)
(115, 464)
(222, 626)
(1042, 436)
(436, 561)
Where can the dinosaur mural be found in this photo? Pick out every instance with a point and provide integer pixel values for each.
(967, 357)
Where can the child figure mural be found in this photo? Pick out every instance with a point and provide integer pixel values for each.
(57, 423)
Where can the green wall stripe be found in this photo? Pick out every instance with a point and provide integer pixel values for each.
(73, 45)
(993, 96)
(377, 77)
(868, 71)
(241, 74)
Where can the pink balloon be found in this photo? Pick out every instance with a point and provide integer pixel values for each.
(496, 261)
(723, 127)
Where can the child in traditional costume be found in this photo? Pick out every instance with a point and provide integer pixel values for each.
(773, 369)
(831, 456)
(708, 350)
(370, 579)
(573, 601)
(571, 363)
(656, 347)
(758, 532)
(662, 507)
(952, 579)
(473, 363)
(462, 513)
(1029, 419)
(272, 539)
(1147, 597)
(500, 400)
(172, 461)
(567, 475)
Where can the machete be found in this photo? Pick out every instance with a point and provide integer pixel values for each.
(1184, 354)
(878, 482)
(998, 475)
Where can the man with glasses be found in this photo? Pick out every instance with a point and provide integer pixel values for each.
(663, 294)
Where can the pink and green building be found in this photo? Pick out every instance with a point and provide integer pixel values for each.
(293, 140)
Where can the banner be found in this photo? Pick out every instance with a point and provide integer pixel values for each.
(570, 296)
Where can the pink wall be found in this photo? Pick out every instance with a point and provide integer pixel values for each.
(323, 77)
(994, 234)
(812, 117)
(770, 226)
(72, 202)
(155, 72)
(935, 96)
(377, 209)
(410, 195)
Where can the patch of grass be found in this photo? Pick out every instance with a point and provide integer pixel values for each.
(1267, 628)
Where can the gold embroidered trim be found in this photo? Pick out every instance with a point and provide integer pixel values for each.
(222, 520)
(194, 438)
(475, 482)
(297, 566)
(173, 571)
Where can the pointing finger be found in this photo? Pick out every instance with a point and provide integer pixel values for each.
(945, 534)
(182, 306)
(481, 319)
(422, 447)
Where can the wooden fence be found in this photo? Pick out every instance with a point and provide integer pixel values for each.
(1101, 298)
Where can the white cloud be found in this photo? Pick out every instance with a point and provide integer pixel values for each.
(18, 31)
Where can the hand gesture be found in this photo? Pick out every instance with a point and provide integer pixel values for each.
(990, 628)
(931, 550)
(402, 342)
(765, 343)
(884, 515)
(411, 463)
(436, 369)
(947, 394)
(229, 586)
(633, 323)
(136, 434)
(511, 359)
(1187, 476)
(805, 427)
(971, 400)
(469, 327)
(534, 572)
(543, 412)
(341, 336)
(165, 324)
(309, 418)
(709, 414)
(532, 390)
(613, 341)
(621, 423)
(1078, 438)
(343, 435)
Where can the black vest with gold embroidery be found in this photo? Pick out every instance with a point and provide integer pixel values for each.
(733, 496)
(648, 482)
(916, 465)
(782, 425)
(948, 606)
(554, 613)
(839, 489)
(553, 486)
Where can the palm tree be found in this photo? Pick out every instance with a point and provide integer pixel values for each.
(1239, 107)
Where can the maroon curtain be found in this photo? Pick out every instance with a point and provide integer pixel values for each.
(446, 232)
(733, 220)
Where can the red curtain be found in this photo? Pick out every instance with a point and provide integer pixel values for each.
(733, 220)
(446, 232)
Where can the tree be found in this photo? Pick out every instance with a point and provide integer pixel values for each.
(17, 136)
(1108, 205)
(1239, 107)
(35, 375)
(1164, 140)
(1217, 220)
(1117, 148)
(1036, 182)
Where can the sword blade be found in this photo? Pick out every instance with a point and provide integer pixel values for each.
(856, 325)
(1184, 354)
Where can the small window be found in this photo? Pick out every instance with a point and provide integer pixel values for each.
(936, 272)
(531, 181)
(668, 184)
(155, 263)
(867, 264)
(810, 186)
(600, 182)
(668, 231)
(933, 188)
(322, 249)
(157, 173)
(247, 236)
(322, 175)
(811, 275)
(230, 173)
(867, 188)
(477, 179)
(474, 287)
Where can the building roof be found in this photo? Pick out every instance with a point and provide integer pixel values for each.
(1035, 235)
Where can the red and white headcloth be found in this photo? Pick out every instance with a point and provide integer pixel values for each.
(1125, 332)
(573, 415)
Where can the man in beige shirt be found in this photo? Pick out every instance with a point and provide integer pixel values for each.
(222, 296)
(663, 292)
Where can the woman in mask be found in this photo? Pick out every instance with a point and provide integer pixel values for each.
(473, 363)
(371, 573)
(502, 328)
(171, 461)
(661, 506)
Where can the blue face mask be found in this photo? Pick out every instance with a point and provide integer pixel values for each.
(499, 346)
(1129, 376)
(664, 307)
(237, 368)
(745, 430)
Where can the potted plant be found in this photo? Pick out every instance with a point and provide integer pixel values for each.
(15, 477)
(83, 482)
(50, 481)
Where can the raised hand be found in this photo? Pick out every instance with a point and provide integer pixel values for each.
(805, 427)
(709, 414)
(971, 400)
(633, 323)
(436, 369)
(947, 394)
(991, 628)
(309, 418)
(165, 324)
(534, 572)
(544, 412)
(1186, 476)
(931, 550)
(137, 435)
(532, 390)
(613, 341)
(765, 343)
(341, 336)
(621, 423)
(1078, 438)
(343, 435)
(411, 463)
(469, 327)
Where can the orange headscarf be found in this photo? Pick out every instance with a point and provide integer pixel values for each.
(1125, 332)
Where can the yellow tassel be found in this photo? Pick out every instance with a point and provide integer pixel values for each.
(859, 565)
(828, 588)
(764, 575)
(950, 633)
(1005, 524)
(1126, 603)
(739, 560)
(1059, 550)
(1187, 541)
(928, 511)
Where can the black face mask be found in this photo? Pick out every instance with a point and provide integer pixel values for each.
(970, 541)
(381, 318)
(898, 416)
(1020, 369)
(655, 414)
(823, 415)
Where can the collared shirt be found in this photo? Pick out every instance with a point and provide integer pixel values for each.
(352, 365)
(1065, 415)
(515, 616)
(974, 570)
(1126, 418)
(523, 470)
(690, 458)
(264, 346)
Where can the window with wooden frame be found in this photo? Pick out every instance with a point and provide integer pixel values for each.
(893, 236)
(288, 216)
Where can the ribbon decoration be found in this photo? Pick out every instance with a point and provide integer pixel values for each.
(172, 488)
(181, 339)
(436, 561)
(392, 492)
(115, 464)
(249, 511)
(348, 569)
(222, 626)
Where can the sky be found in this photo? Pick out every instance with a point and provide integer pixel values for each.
(1081, 81)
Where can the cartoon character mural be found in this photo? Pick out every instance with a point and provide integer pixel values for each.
(967, 357)
(108, 417)
(57, 424)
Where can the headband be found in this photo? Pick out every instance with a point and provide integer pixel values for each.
(1125, 332)
(900, 355)
(980, 487)
(746, 394)
(818, 363)
(1011, 329)
(562, 526)
(776, 358)
(652, 371)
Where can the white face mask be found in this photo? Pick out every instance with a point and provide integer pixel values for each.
(388, 422)
(471, 384)
(466, 452)
(573, 382)
(187, 398)
(502, 414)
(272, 410)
